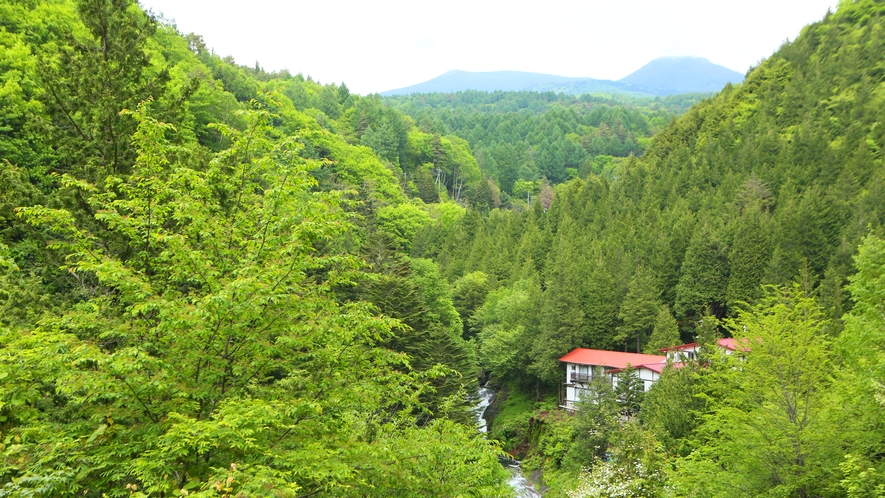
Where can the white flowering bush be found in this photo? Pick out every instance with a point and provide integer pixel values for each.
(612, 480)
(633, 469)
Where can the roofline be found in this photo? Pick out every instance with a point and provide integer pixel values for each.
(730, 347)
(632, 367)
(681, 346)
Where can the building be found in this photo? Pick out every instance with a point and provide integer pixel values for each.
(583, 365)
(689, 351)
(649, 373)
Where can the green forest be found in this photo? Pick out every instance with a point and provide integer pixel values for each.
(217, 280)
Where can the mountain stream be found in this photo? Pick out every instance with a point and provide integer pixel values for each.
(523, 487)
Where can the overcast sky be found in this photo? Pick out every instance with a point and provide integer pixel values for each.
(380, 45)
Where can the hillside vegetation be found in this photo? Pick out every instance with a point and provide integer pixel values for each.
(202, 284)
(524, 140)
(744, 218)
(221, 281)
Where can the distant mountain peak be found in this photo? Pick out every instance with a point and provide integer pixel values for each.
(680, 74)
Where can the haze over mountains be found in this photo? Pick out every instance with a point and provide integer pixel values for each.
(662, 76)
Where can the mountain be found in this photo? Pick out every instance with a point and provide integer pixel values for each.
(673, 75)
(456, 81)
(662, 76)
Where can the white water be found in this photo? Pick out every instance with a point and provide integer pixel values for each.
(523, 487)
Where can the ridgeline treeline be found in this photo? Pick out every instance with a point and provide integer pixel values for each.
(522, 139)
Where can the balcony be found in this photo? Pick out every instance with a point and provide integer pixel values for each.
(580, 377)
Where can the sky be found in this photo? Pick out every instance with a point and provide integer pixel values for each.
(378, 45)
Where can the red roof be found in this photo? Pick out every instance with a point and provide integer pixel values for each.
(728, 343)
(654, 367)
(611, 359)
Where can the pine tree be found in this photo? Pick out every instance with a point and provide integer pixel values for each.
(665, 333)
(638, 309)
(630, 391)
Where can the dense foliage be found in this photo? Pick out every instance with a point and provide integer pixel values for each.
(763, 184)
(196, 278)
(759, 215)
(216, 280)
(526, 136)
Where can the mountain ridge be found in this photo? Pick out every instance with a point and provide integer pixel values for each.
(662, 76)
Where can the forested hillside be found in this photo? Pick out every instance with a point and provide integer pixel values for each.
(221, 281)
(744, 218)
(524, 139)
(771, 181)
(203, 289)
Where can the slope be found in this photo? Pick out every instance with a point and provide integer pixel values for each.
(188, 304)
(776, 181)
(773, 180)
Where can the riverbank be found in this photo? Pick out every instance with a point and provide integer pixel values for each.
(538, 435)
(524, 487)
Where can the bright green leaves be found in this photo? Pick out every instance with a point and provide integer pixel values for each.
(768, 432)
(209, 352)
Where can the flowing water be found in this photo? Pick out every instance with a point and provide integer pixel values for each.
(523, 487)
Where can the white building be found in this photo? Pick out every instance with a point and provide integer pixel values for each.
(583, 365)
(649, 373)
(689, 351)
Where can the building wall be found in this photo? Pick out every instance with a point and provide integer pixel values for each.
(576, 384)
(648, 378)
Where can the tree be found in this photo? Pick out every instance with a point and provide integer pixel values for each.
(545, 195)
(630, 391)
(562, 314)
(384, 142)
(525, 188)
(505, 331)
(860, 382)
(209, 350)
(92, 78)
(703, 277)
(674, 407)
(769, 433)
(635, 468)
(468, 295)
(665, 333)
(749, 256)
(639, 309)
(597, 420)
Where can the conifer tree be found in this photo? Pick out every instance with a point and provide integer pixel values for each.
(92, 79)
(665, 333)
(638, 309)
(703, 277)
(630, 391)
(749, 256)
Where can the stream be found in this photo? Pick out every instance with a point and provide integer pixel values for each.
(523, 487)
